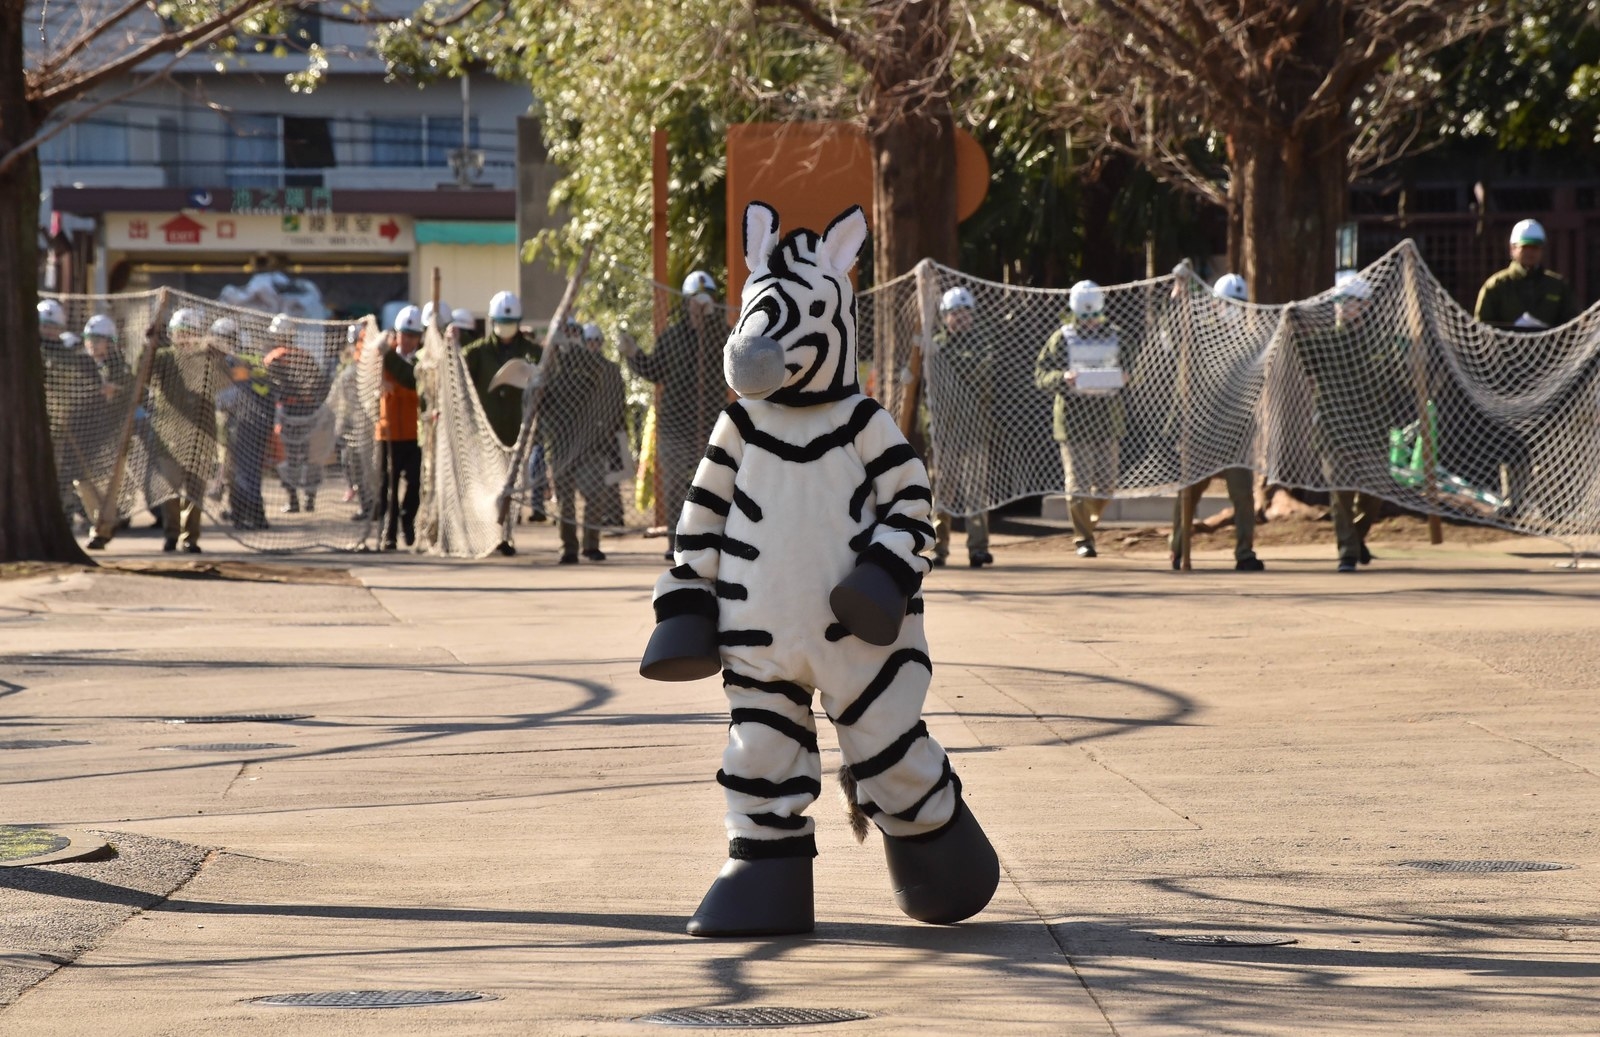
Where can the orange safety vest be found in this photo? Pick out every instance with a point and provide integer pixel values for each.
(397, 412)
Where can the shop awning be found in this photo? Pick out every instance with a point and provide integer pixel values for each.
(466, 232)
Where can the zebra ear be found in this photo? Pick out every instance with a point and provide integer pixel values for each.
(842, 241)
(760, 234)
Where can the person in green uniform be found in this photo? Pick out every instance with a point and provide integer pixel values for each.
(502, 405)
(960, 419)
(1082, 363)
(1524, 297)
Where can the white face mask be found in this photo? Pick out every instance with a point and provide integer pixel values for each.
(505, 329)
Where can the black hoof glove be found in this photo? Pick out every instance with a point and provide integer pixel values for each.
(870, 604)
(944, 876)
(682, 648)
(770, 897)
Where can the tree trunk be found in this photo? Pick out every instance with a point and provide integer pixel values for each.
(913, 142)
(1294, 200)
(33, 526)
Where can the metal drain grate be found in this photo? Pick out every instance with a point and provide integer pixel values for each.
(238, 718)
(23, 846)
(38, 743)
(1226, 940)
(752, 1017)
(224, 747)
(1483, 866)
(373, 998)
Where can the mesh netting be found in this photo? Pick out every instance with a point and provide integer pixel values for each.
(282, 434)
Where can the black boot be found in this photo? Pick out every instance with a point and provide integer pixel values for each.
(770, 897)
(945, 875)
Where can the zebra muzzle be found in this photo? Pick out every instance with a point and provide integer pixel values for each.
(753, 365)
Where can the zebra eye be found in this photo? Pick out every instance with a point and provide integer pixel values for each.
(818, 308)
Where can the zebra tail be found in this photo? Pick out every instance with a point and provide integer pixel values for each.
(859, 824)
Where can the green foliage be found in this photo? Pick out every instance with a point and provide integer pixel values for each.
(1534, 86)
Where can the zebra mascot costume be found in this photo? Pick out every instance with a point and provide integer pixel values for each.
(798, 569)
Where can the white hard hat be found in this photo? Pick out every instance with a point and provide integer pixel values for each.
(186, 319)
(409, 319)
(1527, 232)
(428, 312)
(699, 281)
(224, 327)
(462, 318)
(505, 306)
(957, 298)
(50, 312)
(592, 333)
(282, 324)
(1087, 299)
(1350, 285)
(1231, 286)
(100, 326)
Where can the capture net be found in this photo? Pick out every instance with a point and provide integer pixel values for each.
(288, 432)
(171, 405)
(1384, 386)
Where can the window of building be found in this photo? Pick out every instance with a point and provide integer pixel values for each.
(307, 144)
(253, 150)
(444, 136)
(99, 140)
(397, 142)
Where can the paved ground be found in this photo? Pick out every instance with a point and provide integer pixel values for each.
(485, 796)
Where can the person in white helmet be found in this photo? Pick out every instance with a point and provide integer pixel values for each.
(502, 404)
(1525, 295)
(582, 414)
(462, 327)
(72, 403)
(185, 378)
(1229, 294)
(1082, 363)
(299, 388)
(960, 421)
(687, 364)
(396, 431)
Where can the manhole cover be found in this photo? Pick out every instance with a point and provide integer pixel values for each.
(22, 846)
(239, 718)
(38, 743)
(372, 998)
(1226, 940)
(1483, 866)
(224, 747)
(748, 1017)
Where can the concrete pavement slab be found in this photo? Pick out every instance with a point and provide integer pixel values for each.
(484, 795)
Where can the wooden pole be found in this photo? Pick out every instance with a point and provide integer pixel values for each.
(1419, 371)
(926, 318)
(105, 525)
(1186, 500)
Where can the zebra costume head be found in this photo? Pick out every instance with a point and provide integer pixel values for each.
(795, 342)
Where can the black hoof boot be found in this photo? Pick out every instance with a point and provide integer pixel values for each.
(944, 876)
(769, 897)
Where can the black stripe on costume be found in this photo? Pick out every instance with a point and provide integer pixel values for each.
(893, 754)
(861, 540)
(801, 453)
(744, 638)
(921, 532)
(717, 455)
(732, 591)
(836, 632)
(688, 601)
(787, 822)
(744, 503)
(885, 677)
(909, 493)
(948, 777)
(708, 500)
(779, 723)
(893, 457)
(684, 572)
(761, 788)
(905, 577)
(769, 849)
(717, 542)
(788, 689)
(914, 606)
